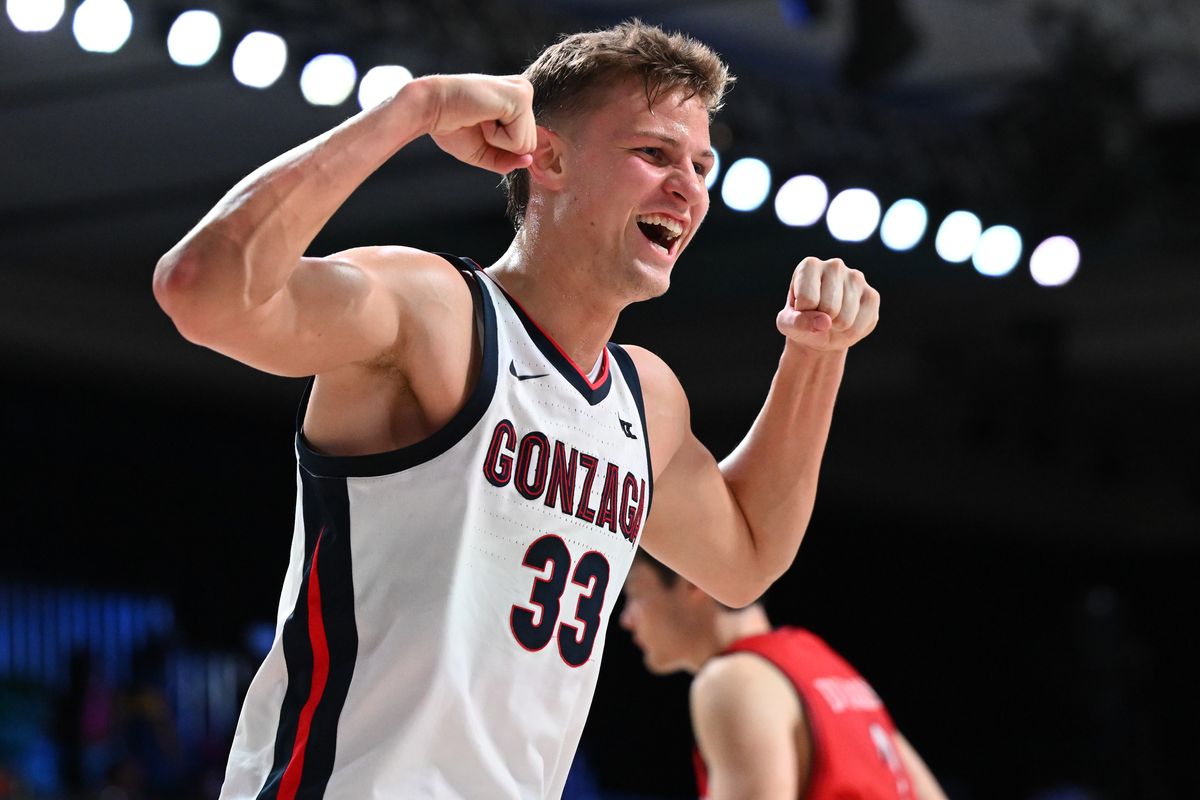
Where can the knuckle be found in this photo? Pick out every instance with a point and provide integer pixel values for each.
(808, 299)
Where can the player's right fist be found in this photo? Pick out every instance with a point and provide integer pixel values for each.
(483, 120)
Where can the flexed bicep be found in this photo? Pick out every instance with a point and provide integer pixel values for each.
(351, 307)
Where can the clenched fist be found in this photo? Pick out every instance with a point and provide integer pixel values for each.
(829, 306)
(483, 120)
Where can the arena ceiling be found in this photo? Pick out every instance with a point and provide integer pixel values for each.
(1060, 116)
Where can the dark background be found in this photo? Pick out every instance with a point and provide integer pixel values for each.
(1007, 535)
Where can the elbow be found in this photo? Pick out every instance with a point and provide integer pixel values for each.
(175, 285)
(184, 288)
(171, 277)
(743, 593)
(752, 584)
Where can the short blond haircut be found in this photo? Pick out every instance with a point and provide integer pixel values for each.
(569, 76)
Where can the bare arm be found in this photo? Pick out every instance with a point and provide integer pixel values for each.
(733, 528)
(239, 282)
(925, 785)
(750, 730)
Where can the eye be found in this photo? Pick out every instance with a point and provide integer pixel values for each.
(699, 167)
(654, 152)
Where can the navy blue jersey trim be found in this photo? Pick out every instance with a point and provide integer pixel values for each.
(555, 356)
(393, 461)
(326, 509)
(635, 388)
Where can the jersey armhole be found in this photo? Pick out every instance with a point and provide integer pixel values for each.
(629, 371)
(393, 461)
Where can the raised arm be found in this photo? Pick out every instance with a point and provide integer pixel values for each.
(239, 282)
(733, 528)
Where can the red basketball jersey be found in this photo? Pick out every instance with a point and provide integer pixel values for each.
(854, 752)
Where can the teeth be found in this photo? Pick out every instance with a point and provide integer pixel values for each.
(674, 227)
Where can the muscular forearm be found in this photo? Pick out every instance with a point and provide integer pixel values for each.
(243, 251)
(773, 472)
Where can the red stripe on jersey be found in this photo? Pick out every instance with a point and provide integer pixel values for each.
(290, 782)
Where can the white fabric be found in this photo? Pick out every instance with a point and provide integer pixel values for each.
(444, 701)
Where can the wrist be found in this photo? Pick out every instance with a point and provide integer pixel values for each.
(794, 351)
(414, 108)
(797, 360)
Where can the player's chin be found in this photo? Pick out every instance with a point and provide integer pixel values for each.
(653, 281)
(656, 666)
(657, 290)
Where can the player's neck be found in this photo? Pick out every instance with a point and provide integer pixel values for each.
(558, 295)
(730, 626)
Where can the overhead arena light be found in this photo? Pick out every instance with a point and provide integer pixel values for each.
(904, 224)
(259, 59)
(801, 200)
(747, 184)
(380, 83)
(957, 236)
(102, 26)
(1054, 261)
(328, 79)
(998, 251)
(711, 177)
(853, 215)
(194, 38)
(35, 16)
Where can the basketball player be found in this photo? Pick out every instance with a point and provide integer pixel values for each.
(475, 462)
(777, 714)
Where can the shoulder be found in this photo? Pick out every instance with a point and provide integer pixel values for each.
(415, 274)
(427, 291)
(668, 416)
(748, 723)
(421, 301)
(658, 380)
(738, 683)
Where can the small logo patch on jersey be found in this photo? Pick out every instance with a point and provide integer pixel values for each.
(512, 367)
(627, 427)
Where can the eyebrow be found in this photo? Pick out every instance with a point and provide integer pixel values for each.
(662, 137)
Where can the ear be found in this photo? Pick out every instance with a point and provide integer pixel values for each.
(694, 594)
(548, 168)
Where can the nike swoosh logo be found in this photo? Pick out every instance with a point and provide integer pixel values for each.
(512, 367)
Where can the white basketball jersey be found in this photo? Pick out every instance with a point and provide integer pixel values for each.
(445, 606)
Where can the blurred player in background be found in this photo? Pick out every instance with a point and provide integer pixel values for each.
(777, 714)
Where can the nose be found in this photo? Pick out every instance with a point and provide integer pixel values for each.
(626, 618)
(688, 185)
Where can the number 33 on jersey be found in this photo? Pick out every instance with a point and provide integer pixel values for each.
(476, 569)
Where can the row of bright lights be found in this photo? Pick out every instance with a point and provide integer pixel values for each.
(103, 26)
(853, 215)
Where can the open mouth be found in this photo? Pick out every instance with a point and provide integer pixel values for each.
(662, 231)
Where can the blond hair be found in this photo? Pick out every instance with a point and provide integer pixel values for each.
(567, 75)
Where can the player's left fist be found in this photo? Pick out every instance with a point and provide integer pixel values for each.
(829, 305)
